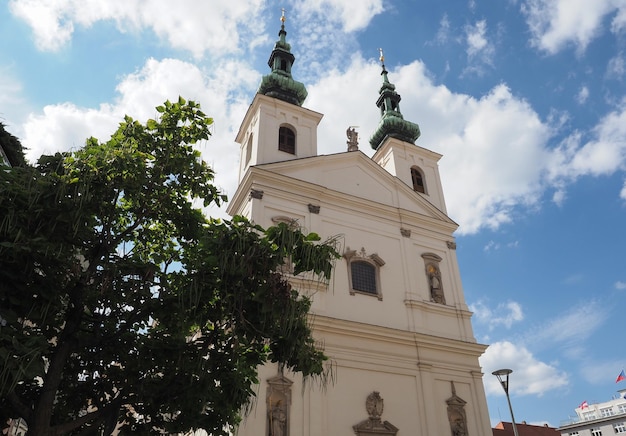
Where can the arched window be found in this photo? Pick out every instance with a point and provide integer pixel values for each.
(287, 140)
(418, 180)
(364, 272)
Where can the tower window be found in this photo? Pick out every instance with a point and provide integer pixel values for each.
(418, 180)
(287, 140)
(363, 272)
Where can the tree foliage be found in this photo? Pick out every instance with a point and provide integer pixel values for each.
(12, 147)
(120, 301)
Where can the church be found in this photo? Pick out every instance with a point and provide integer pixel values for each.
(393, 318)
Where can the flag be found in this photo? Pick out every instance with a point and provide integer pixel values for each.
(620, 377)
(583, 405)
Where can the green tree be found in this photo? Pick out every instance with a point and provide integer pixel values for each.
(120, 301)
(12, 148)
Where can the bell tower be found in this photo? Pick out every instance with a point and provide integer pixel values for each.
(276, 127)
(394, 142)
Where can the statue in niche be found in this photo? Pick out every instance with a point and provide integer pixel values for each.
(278, 420)
(458, 428)
(278, 401)
(456, 413)
(353, 139)
(434, 279)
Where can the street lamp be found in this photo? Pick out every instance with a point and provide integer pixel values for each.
(503, 378)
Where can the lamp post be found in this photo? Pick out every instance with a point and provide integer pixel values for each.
(503, 378)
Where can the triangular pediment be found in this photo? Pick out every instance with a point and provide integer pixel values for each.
(354, 174)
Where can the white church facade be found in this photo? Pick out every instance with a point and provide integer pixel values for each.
(393, 319)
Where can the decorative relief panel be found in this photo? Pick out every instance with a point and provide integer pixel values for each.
(374, 425)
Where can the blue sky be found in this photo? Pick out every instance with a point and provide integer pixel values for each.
(524, 98)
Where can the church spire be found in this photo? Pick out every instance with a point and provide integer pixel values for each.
(392, 123)
(279, 83)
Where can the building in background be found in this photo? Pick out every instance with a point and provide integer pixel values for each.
(506, 429)
(393, 319)
(598, 419)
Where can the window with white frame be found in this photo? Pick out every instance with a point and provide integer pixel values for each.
(596, 432)
(588, 416)
(574, 433)
(364, 272)
(620, 427)
(606, 412)
(621, 408)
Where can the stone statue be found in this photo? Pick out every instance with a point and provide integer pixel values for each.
(456, 413)
(353, 139)
(278, 420)
(458, 428)
(436, 292)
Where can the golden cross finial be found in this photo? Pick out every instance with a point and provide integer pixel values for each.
(282, 17)
(382, 56)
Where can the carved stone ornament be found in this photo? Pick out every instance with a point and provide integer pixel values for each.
(405, 232)
(313, 208)
(451, 245)
(349, 254)
(456, 414)
(374, 426)
(256, 193)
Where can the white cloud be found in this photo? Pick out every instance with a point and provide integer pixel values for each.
(603, 154)
(570, 330)
(224, 96)
(582, 95)
(616, 66)
(504, 314)
(197, 27)
(620, 285)
(480, 51)
(352, 15)
(600, 372)
(443, 33)
(12, 104)
(530, 376)
(194, 26)
(491, 246)
(475, 38)
(555, 24)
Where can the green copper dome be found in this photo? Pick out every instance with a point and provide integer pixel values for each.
(392, 123)
(279, 83)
